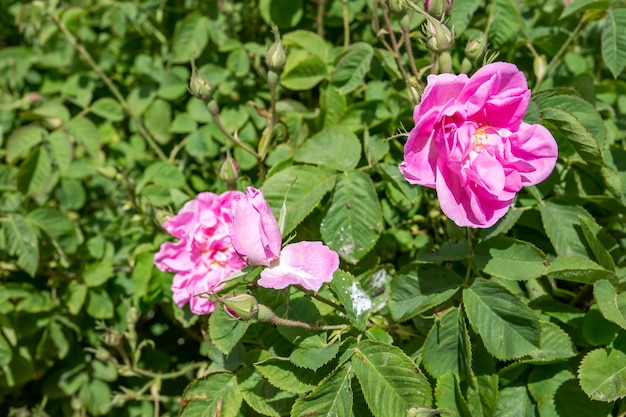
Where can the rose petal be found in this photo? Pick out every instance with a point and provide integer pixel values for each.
(309, 264)
(254, 231)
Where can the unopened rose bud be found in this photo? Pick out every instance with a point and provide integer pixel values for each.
(241, 306)
(103, 354)
(132, 315)
(199, 86)
(276, 55)
(395, 5)
(422, 412)
(439, 37)
(476, 48)
(437, 8)
(229, 172)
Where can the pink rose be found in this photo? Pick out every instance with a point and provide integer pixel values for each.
(204, 254)
(257, 238)
(470, 144)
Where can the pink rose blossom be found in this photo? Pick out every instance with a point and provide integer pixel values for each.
(257, 238)
(470, 144)
(203, 256)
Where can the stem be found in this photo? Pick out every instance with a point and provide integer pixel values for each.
(322, 299)
(319, 19)
(168, 375)
(406, 34)
(112, 88)
(218, 122)
(470, 259)
(346, 24)
(561, 51)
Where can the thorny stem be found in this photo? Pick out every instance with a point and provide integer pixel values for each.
(555, 58)
(322, 299)
(112, 88)
(396, 53)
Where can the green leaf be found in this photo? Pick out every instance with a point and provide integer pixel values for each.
(417, 288)
(611, 304)
(508, 328)
(309, 41)
(462, 12)
(285, 375)
(22, 140)
(583, 5)
(354, 220)
(142, 275)
(304, 186)
(183, 123)
(108, 108)
(190, 38)
(225, 331)
(58, 227)
(22, 242)
(591, 232)
(332, 397)
(448, 251)
(283, 13)
(5, 351)
(447, 345)
(60, 149)
(514, 401)
(577, 269)
(555, 345)
(35, 173)
(506, 22)
(336, 148)
(350, 71)
(314, 357)
(216, 394)
(602, 374)
(562, 225)
(262, 396)
(157, 119)
(352, 297)
(302, 71)
(333, 105)
(449, 397)
(390, 380)
(97, 273)
(76, 295)
(614, 41)
(99, 305)
(596, 329)
(83, 131)
(509, 258)
(162, 173)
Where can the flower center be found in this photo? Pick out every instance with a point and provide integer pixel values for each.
(481, 138)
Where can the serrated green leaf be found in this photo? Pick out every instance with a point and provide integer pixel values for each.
(354, 220)
(352, 297)
(614, 41)
(507, 327)
(555, 345)
(309, 41)
(352, 67)
(190, 37)
(302, 71)
(508, 258)
(108, 108)
(590, 232)
(448, 251)
(22, 242)
(285, 375)
(162, 173)
(61, 150)
(76, 296)
(449, 397)
(314, 358)
(446, 345)
(35, 173)
(611, 304)
(561, 223)
(333, 105)
(224, 331)
(331, 398)
(216, 394)
(602, 374)
(85, 133)
(390, 380)
(262, 396)
(597, 330)
(514, 401)
(304, 186)
(417, 288)
(183, 123)
(506, 21)
(577, 269)
(22, 140)
(336, 148)
(283, 13)
(461, 13)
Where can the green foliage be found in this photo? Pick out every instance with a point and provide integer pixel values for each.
(100, 143)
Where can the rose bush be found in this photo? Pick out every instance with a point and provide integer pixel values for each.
(470, 143)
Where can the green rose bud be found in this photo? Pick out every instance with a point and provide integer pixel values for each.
(476, 48)
(229, 172)
(242, 307)
(276, 54)
(199, 86)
